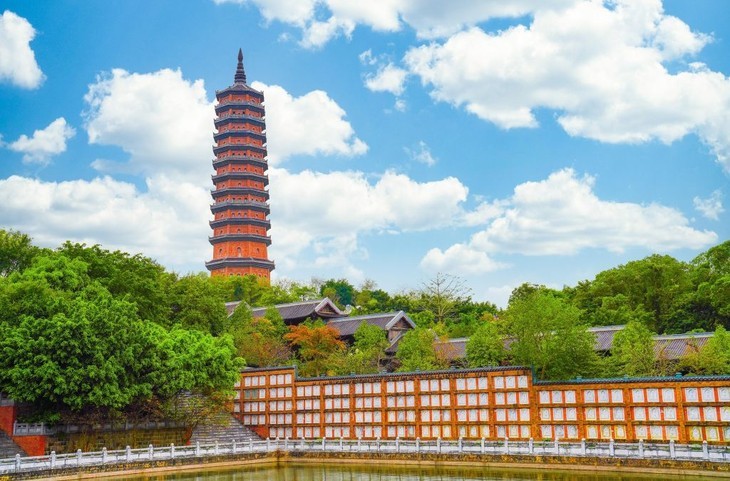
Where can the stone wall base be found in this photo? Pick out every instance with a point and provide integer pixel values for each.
(236, 462)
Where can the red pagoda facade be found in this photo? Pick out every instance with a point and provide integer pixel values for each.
(240, 198)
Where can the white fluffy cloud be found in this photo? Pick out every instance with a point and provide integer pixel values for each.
(168, 222)
(45, 143)
(17, 59)
(162, 120)
(388, 78)
(310, 210)
(292, 129)
(460, 258)
(600, 66)
(710, 207)
(323, 20)
(561, 215)
(421, 153)
(165, 123)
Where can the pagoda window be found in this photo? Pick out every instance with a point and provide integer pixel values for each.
(238, 251)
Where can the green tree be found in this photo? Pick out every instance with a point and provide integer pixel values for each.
(16, 252)
(140, 279)
(633, 350)
(442, 296)
(711, 359)
(367, 352)
(486, 346)
(340, 291)
(199, 304)
(417, 352)
(259, 340)
(317, 345)
(656, 285)
(710, 299)
(549, 336)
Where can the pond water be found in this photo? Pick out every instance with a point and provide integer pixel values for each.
(309, 472)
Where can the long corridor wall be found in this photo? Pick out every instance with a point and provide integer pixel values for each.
(491, 403)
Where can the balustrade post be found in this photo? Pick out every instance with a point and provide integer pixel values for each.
(482, 446)
(461, 444)
(53, 459)
(17, 462)
(103, 455)
(301, 442)
(556, 446)
(531, 446)
(583, 447)
(611, 448)
(359, 441)
(78, 457)
(397, 444)
(377, 444)
(197, 448)
(672, 453)
(268, 444)
(438, 444)
(418, 445)
(172, 450)
(705, 450)
(341, 442)
(641, 448)
(506, 445)
(324, 443)
(286, 443)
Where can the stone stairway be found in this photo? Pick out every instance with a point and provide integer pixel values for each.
(223, 428)
(8, 449)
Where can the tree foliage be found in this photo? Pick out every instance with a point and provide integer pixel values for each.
(16, 252)
(548, 335)
(367, 352)
(315, 342)
(83, 334)
(260, 341)
(486, 346)
(711, 359)
(633, 350)
(417, 351)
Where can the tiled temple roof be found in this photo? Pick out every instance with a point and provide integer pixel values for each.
(348, 325)
(317, 308)
(669, 346)
(604, 336)
(674, 346)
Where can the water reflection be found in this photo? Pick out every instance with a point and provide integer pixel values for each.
(310, 472)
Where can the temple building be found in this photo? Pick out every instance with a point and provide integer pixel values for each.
(240, 198)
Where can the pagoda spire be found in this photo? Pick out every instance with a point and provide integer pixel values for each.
(240, 206)
(240, 77)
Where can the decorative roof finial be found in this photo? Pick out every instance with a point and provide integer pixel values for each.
(240, 77)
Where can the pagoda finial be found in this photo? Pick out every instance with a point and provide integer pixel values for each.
(240, 77)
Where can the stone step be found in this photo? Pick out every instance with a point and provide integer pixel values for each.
(222, 428)
(8, 449)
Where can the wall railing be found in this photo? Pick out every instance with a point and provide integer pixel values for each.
(640, 450)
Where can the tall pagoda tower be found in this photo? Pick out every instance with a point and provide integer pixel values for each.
(240, 199)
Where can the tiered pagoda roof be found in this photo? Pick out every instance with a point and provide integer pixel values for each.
(240, 198)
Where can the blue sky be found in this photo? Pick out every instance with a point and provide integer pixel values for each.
(503, 142)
